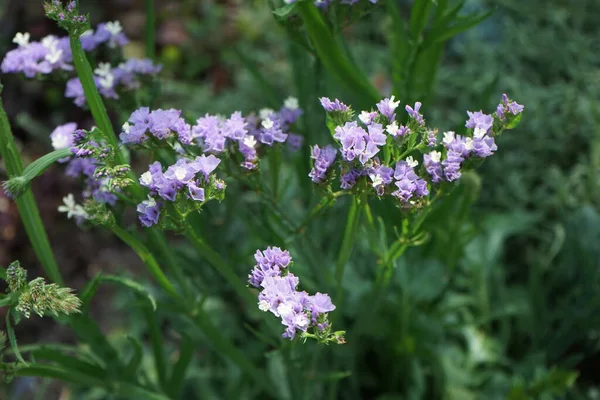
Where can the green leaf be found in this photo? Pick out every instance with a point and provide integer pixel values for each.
(285, 11)
(136, 358)
(462, 24)
(515, 122)
(130, 284)
(186, 353)
(12, 339)
(67, 361)
(26, 204)
(89, 290)
(333, 58)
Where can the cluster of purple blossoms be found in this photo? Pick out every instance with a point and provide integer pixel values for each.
(144, 124)
(191, 178)
(109, 81)
(53, 53)
(298, 311)
(80, 166)
(361, 148)
(326, 3)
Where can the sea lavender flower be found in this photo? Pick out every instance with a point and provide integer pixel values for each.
(111, 33)
(508, 106)
(271, 132)
(396, 131)
(291, 111)
(149, 212)
(348, 179)
(323, 157)
(408, 183)
(62, 136)
(333, 106)
(357, 143)
(299, 312)
(381, 176)
(414, 113)
(433, 166)
(387, 107)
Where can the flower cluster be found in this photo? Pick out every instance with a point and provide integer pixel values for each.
(110, 81)
(87, 155)
(188, 183)
(326, 3)
(380, 153)
(299, 311)
(214, 134)
(37, 296)
(67, 17)
(53, 53)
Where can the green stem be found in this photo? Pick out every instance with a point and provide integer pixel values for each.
(147, 258)
(352, 224)
(186, 353)
(220, 265)
(150, 29)
(26, 204)
(157, 346)
(94, 101)
(333, 57)
(348, 241)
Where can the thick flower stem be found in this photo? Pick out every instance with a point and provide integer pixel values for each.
(26, 203)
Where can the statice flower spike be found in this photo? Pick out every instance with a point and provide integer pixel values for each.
(299, 312)
(324, 158)
(414, 113)
(387, 107)
(333, 106)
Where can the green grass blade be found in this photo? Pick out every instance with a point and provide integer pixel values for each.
(12, 339)
(347, 74)
(26, 204)
(156, 340)
(186, 353)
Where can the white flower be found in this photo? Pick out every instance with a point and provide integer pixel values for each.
(114, 27)
(21, 39)
(126, 127)
(146, 178)
(107, 81)
(103, 69)
(377, 179)
(411, 162)
(435, 156)
(50, 42)
(71, 208)
(478, 133)
(249, 141)
(180, 173)
(469, 143)
(54, 55)
(60, 141)
(392, 129)
(365, 117)
(393, 104)
(291, 103)
(264, 305)
(448, 137)
(267, 123)
(265, 113)
(300, 320)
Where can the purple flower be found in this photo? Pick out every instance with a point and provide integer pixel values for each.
(357, 143)
(195, 192)
(271, 132)
(235, 127)
(333, 106)
(62, 136)
(149, 212)
(484, 146)
(479, 120)
(323, 157)
(414, 113)
(111, 33)
(508, 106)
(387, 107)
(433, 166)
(208, 128)
(279, 295)
(295, 141)
(381, 176)
(181, 171)
(162, 122)
(408, 183)
(348, 180)
(74, 90)
(205, 165)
